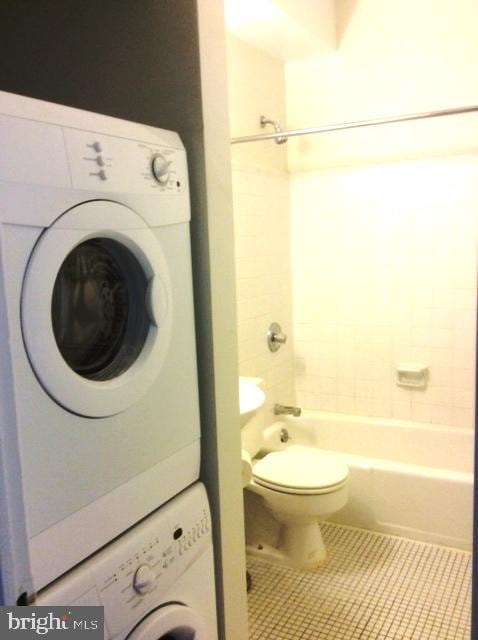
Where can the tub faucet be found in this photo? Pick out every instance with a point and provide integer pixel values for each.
(280, 409)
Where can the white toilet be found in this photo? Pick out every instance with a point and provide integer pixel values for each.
(299, 486)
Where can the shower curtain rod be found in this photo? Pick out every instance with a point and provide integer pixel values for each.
(354, 125)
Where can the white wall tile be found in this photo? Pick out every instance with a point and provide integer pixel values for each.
(401, 409)
(421, 411)
(263, 282)
(463, 417)
(442, 414)
(384, 273)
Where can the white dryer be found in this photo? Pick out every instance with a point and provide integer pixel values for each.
(154, 582)
(99, 417)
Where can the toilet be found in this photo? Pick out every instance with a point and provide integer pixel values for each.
(300, 486)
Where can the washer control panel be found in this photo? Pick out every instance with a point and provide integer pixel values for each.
(132, 572)
(143, 580)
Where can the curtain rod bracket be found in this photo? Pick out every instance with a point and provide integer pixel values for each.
(265, 121)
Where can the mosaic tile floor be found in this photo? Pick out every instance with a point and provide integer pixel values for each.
(373, 587)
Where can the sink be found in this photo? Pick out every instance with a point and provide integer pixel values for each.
(251, 398)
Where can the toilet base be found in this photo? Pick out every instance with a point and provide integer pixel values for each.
(300, 546)
(303, 544)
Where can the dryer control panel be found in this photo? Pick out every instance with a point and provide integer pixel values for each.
(51, 155)
(52, 145)
(128, 576)
(108, 163)
(66, 155)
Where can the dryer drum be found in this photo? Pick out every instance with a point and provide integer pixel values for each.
(99, 313)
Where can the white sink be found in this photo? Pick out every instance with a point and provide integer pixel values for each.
(251, 398)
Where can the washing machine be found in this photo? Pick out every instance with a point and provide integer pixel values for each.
(154, 582)
(99, 417)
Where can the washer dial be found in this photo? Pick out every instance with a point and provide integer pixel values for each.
(143, 580)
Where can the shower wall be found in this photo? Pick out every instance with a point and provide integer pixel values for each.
(261, 222)
(384, 272)
(384, 219)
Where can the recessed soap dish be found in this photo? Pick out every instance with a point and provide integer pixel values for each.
(413, 377)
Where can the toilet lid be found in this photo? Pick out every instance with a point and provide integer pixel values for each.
(300, 468)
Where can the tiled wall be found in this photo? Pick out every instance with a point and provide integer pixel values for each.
(261, 222)
(384, 274)
(263, 277)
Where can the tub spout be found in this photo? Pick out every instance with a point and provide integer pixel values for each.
(280, 409)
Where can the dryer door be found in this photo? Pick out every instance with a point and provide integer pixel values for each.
(95, 315)
(171, 622)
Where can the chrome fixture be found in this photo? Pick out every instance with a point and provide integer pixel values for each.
(284, 435)
(278, 138)
(275, 337)
(281, 409)
(281, 136)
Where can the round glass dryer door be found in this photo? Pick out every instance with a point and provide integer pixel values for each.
(96, 312)
(100, 320)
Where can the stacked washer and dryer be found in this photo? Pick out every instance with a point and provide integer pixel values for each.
(99, 417)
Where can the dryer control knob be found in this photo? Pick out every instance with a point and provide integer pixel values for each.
(143, 580)
(160, 168)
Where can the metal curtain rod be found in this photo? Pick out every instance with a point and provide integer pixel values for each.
(354, 125)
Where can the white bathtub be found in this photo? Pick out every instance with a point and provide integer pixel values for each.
(406, 478)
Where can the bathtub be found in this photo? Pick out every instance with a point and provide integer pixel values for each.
(406, 478)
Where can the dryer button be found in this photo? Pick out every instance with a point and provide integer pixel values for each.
(143, 580)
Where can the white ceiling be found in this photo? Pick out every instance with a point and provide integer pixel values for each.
(285, 29)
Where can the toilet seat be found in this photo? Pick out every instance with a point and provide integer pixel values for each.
(300, 471)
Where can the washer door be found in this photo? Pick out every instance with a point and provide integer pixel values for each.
(95, 316)
(171, 622)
